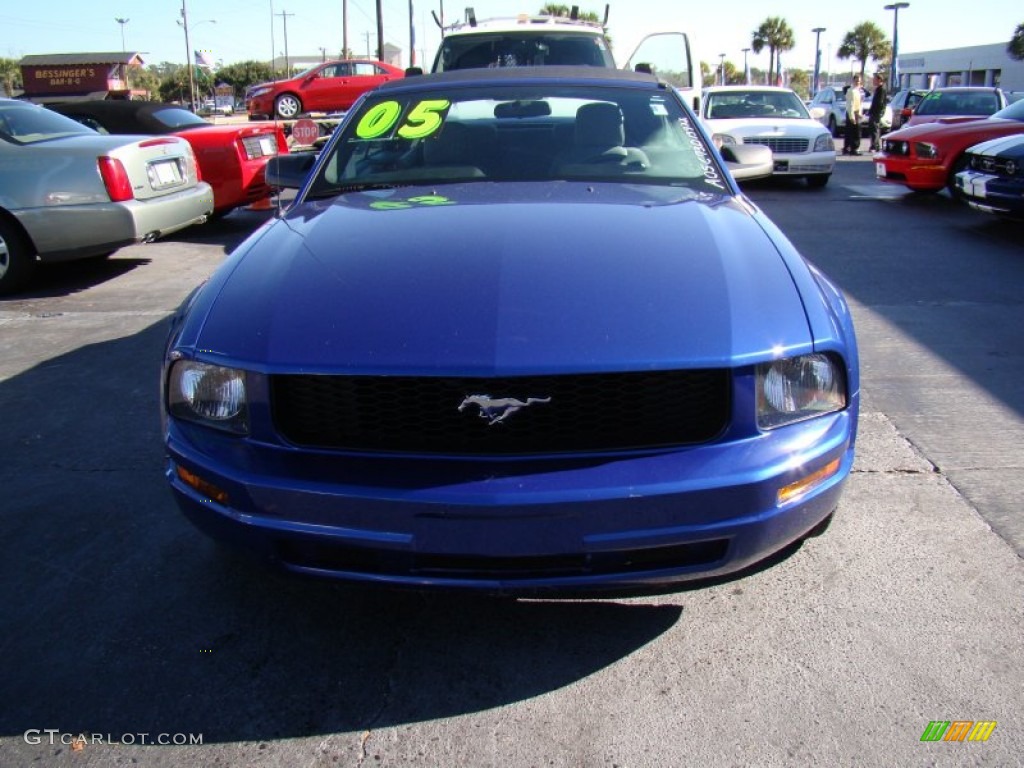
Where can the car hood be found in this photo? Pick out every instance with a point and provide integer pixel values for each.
(789, 127)
(958, 128)
(1005, 146)
(545, 278)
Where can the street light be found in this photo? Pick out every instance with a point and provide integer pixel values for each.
(746, 69)
(122, 22)
(894, 73)
(817, 57)
(183, 23)
(721, 68)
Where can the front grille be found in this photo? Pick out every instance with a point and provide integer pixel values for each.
(560, 414)
(781, 145)
(998, 166)
(329, 556)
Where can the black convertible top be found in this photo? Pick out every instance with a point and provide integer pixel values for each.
(124, 117)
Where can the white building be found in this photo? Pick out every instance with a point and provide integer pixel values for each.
(987, 65)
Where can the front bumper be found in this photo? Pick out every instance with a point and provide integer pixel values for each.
(520, 526)
(804, 164)
(916, 174)
(992, 194)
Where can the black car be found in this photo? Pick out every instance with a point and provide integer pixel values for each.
(903, 103)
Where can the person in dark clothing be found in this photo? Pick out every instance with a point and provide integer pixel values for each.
(878, 101)
(851, 137)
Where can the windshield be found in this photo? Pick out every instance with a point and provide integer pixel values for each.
(176, 118)
(958, 103)
(23, 123)
(1013, 112)
(522, 49)
(520, 133)
(753, 104)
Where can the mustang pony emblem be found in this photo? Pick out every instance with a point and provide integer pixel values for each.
(497, 409)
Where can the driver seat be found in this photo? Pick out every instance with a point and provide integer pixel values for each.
(599, 139)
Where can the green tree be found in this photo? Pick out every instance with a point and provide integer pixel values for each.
(10, 76)
(241, 75)
(865, 41)
(800, 81)
(553, 9)
(776, 35)
(1016, 45)
(145, 80)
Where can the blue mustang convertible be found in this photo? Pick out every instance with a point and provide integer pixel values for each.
(519, 332)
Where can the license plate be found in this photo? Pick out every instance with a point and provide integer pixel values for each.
(880, 170)
(167, 172)
(781, 166)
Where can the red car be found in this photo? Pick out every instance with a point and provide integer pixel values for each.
(329, 87)
(927, 157)
(231, 158)
(965, 102)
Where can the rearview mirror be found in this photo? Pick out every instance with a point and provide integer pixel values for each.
(289, 171)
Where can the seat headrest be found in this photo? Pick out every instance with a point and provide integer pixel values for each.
(599, 125)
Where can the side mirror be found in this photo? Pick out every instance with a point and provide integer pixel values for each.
(413, 71)
(748, 161)
(817, 112)
(289, 171)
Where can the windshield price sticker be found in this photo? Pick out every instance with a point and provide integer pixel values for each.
(421, 121)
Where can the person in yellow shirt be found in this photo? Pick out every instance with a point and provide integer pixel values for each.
(851, 137)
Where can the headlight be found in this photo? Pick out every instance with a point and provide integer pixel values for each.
(799, 388)
(926, 150)
(259, 92)
(721, 139)
(208, 394)
(824, 143)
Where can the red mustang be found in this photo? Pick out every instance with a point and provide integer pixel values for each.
(927, 157)
(231, 158)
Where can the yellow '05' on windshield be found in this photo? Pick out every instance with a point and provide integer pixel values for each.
(420, 121)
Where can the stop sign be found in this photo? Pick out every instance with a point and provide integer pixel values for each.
(305, 131)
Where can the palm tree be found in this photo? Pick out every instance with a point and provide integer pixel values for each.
(777, 35)
(10, 75)
(1016, 45)
(866, 41)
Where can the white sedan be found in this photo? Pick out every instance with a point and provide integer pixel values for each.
(775, 118)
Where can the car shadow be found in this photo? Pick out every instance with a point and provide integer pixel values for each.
(119, 617)
(55, 279)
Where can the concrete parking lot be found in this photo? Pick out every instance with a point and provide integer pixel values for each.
(124, 624)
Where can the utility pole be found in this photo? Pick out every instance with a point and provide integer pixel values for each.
(188, 60)
(273, 46)
(287, 64)
(412, 38)
(380, 30)
(345, 53)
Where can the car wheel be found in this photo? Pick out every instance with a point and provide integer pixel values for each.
(17, 261)
(287, 106)
(818, 180)
(960, 165)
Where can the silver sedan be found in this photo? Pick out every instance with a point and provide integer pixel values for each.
(67, 192)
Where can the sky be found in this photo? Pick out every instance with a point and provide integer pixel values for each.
(238, 30)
